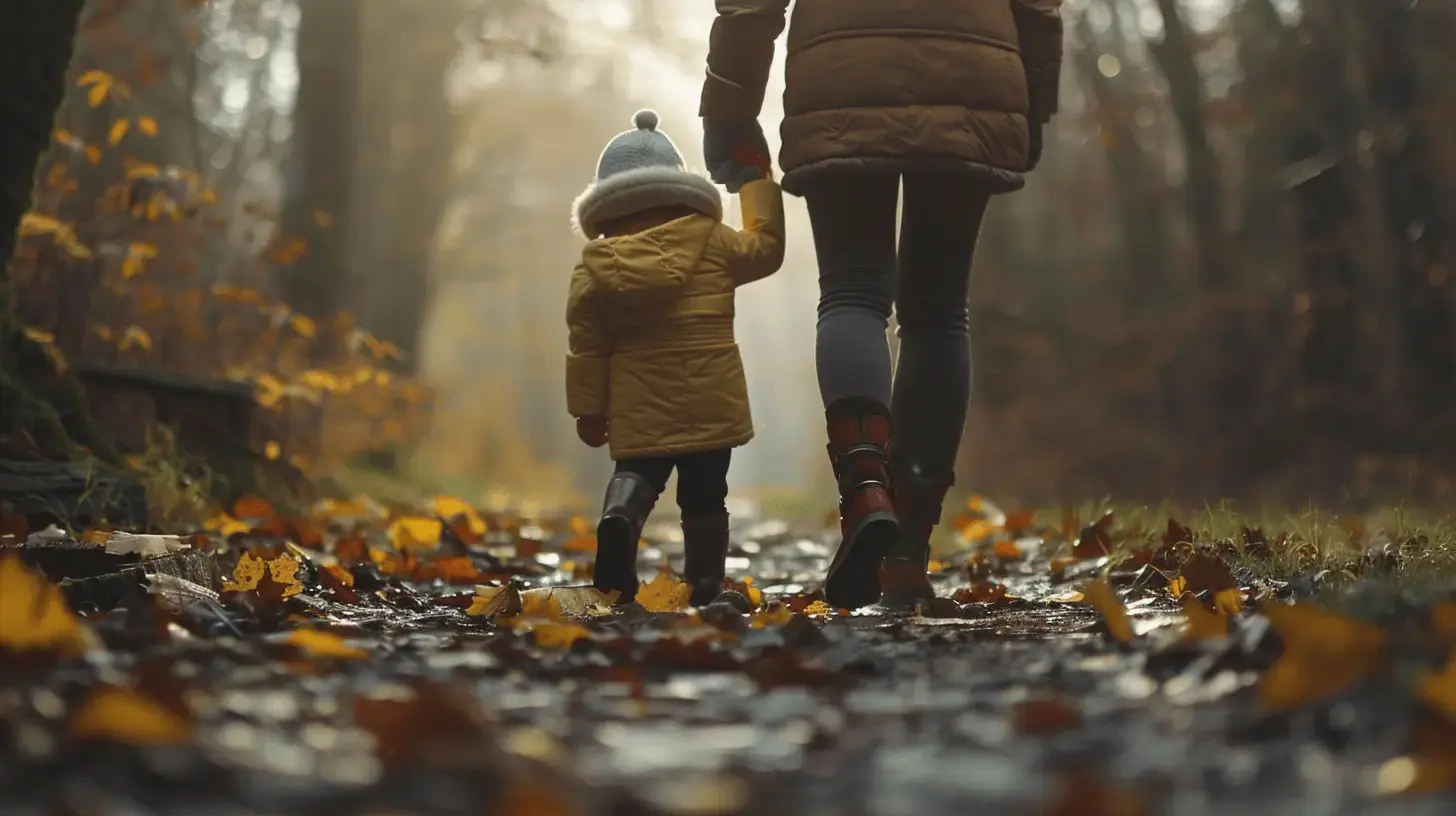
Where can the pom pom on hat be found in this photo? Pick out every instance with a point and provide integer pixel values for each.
(645, 120)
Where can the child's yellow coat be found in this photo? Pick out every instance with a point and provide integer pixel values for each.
(651, 321)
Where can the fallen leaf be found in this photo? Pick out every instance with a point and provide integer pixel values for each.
(413, 533)
(226, 526)
(325, 645)
(818, 609)
(1202, 624)
(451, 508)
(779, 615)
(1006, 549)
(1228, 602)
(117, 132)
(34, 616)
(664, 593)
(490, 602)
(147, 125)
(457, 570)
(1323, 654)
(122, 715)
(246, 574)
(1095, 540)
(1044, 715)
(1438, 689)
(558, 635)
(252, 507)
(1114, 614)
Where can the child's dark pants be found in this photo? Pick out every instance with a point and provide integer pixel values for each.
(702, 478)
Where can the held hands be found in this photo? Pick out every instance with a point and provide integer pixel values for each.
(735, 153)
(595, 431)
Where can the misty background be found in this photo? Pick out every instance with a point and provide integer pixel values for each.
(1229, 276)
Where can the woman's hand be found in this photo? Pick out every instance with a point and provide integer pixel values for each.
(723, 142)
(595, 431)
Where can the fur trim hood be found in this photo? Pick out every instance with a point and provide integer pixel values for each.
(644, 188)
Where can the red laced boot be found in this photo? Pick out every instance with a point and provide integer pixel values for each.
(918, 502)
(859, 450)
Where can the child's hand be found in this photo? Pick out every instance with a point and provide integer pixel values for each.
(747, 163)
(593, 430)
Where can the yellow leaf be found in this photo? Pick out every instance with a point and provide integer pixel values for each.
(1202, 624)
(142, 249)
(44, 338)
(117, 132)
(92, 77)
(818, 609)
(558, 635)
(664, 594)
(491, 601)
(246, 575)
(147, 125)
(284, 570)
(34, 615)
(225, 525)
(1228, 601)
(124, 716)
(272, 451)
(327, 645)
(778, 616)
(449, 507)
(410, 533)
(1105, 601)
(1323, 654)
(303, 325)
(1178, 586)
(93, 154)
(97, 94)
(135, 336)
(541, 606)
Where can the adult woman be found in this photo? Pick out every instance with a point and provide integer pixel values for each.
(949, 96)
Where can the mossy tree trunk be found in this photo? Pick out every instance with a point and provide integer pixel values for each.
(40, 407)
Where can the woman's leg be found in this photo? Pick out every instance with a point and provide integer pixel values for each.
(853, 218)
(938, 231)
(702, 493)
(631, 494)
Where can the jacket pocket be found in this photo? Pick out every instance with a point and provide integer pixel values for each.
(1039, 30)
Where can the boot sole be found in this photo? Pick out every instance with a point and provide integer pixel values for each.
(614, 545)
(853, 580)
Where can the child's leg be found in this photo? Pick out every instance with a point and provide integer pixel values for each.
(938, 230)
(631, 494)
(702, 492)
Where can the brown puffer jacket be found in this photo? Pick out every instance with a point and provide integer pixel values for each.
(651, 342)
(945, 85)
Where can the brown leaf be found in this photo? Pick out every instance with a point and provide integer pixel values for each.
(1043, 715)
(986, 592)
(427, 724)
(1095, 540)
(1205, 572)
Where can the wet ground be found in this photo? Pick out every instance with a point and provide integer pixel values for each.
(1012, 693)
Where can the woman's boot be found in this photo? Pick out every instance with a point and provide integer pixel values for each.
(859, 450)
(918, 501)
(705, 543)
(628, 502)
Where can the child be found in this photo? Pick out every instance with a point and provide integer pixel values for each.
(653, 367)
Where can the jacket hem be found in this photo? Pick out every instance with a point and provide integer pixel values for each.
(995, 180)
(681, 449)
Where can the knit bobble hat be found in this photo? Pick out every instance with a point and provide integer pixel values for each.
(640, 169)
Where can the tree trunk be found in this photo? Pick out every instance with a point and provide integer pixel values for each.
(43, 409)
(1142, 216)
(319, 209)
(1174, 54)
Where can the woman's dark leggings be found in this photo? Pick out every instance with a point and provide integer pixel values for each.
(928, 284)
